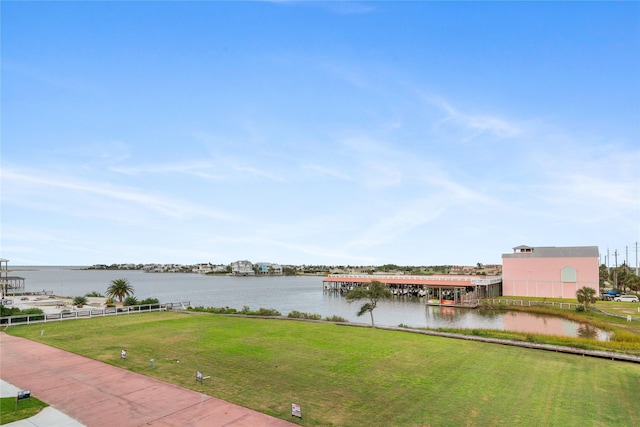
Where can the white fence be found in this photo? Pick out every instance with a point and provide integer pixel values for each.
(554, 304)
(27, 319)
(532, 303)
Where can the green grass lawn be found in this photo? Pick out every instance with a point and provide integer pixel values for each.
(11, 411)
(354, 376)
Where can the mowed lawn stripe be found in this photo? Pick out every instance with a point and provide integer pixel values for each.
(353, 376)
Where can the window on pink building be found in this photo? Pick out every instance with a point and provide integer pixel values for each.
(568, 274)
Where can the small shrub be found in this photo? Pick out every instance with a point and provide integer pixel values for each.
(298, 315)
(268, 312)
(148, 301)
(335, 318)
(130, 300)
(80, 300)
(579, 308)
(216, 310)
(30, 311)
(94, 294)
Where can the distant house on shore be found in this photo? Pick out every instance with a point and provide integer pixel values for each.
(549, 271)
(268, 269)
(242, 268)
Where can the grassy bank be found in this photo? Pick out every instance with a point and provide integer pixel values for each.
(625, 335)
(352, 376)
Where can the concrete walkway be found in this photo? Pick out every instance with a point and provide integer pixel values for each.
(92, 393)
(48, 417)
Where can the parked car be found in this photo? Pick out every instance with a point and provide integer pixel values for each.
(611, 294)
(626, 298)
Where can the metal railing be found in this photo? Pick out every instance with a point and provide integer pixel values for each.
(27, 319)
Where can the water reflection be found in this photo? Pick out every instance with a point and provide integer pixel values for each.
(588, 331)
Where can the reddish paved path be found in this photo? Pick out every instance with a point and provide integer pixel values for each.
(97, 394)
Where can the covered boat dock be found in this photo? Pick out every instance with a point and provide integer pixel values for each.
(9, 285)
(451, 290)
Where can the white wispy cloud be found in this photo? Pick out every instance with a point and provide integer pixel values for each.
(477, 123)
(21, 183)
(217, 168)
(260, 172)
(322, 170)
(197, 169)
(404, 219)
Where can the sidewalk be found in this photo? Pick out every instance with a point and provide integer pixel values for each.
(97, 394)
(48, 417)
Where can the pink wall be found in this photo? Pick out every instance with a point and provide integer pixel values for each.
(542, 277)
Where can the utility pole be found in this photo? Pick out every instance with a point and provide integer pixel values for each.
(626, 258)
(615, 271)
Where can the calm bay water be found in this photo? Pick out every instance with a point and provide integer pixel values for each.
(286, 294)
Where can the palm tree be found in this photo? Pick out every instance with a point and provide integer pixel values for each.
(119, 288)
(586, 295)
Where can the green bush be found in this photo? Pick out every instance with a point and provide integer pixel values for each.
(15, 311)
(261, 311)
(94, 294)
(298, 315)
(149, 301)
(130, 300)
(335, 318)
(216, 310)
(80, 300)
(267, 312)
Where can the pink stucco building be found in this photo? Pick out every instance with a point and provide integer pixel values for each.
(549, 271)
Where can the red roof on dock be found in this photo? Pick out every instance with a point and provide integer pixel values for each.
(440, 280)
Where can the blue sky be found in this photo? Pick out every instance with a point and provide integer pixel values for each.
(340, 133)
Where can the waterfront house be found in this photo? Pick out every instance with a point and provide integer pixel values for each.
(242, 268)
(268, 269)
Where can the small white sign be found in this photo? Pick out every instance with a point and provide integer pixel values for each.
(296, 411)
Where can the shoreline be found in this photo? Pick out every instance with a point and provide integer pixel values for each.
(54, 304)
